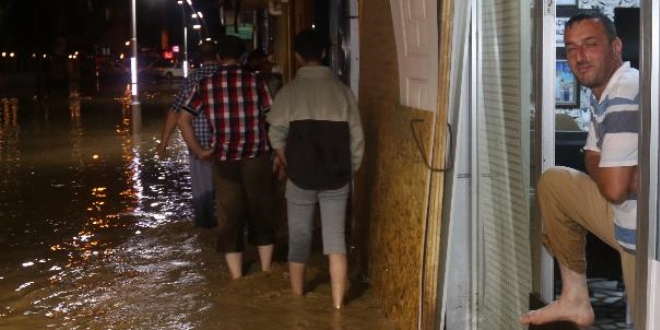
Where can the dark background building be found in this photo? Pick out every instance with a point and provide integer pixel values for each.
(96, 26)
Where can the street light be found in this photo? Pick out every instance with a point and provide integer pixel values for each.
(197, 16)
(185, 37)
(134, 76)
(201, 18)
(198, 19)
(199, 33)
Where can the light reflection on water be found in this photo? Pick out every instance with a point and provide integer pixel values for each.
(97, 233)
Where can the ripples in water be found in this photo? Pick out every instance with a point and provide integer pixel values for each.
(97, 234)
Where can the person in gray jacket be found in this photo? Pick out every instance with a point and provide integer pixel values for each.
(316, 132)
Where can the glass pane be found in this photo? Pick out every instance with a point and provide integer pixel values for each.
(503, 134)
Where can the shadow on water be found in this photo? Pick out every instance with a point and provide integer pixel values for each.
(97, 231)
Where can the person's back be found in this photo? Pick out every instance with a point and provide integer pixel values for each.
(320, 109)
(317, 136)
(208, 54)
(235, 103)
(319, 94)
(260, 63)
(234, 100)
(200, 171)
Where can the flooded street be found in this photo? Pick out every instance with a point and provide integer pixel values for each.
(97, 232)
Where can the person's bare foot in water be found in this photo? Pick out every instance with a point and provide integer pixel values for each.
(572, 306)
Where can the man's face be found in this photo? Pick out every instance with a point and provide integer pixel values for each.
(592, 57)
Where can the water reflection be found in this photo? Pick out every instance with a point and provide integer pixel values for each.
(10, 154)
(97, 233)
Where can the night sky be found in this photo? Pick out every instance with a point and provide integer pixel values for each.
(33, 26)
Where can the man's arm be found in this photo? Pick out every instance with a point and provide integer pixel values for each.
(181, 98)
(357, 133)
(188, 134)
(614, 183)
(634, 183)
(168, 127)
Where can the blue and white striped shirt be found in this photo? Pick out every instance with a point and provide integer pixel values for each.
(613, 133)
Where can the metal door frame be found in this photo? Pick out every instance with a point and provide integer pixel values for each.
(647, 211)
(544, 123)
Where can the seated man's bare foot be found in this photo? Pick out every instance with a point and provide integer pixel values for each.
(578, 312)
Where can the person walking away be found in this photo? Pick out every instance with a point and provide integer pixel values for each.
(603, 201)
(236, 101)
(201, 171)
(257, 61)
(317, 135)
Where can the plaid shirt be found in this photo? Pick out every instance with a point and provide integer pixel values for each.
(235, 102)
(200, 125)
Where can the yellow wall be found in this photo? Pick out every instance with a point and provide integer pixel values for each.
(391, 186)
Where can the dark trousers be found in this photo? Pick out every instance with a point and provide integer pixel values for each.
(245, 196)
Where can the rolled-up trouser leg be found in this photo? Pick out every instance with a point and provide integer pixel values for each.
(231, 206)
(333, 219)
(628, 265)
(257, 179)
(301, 205)
(571, 205)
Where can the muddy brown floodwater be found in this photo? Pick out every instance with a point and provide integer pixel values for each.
(96, 232)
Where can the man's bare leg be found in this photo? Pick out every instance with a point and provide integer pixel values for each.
(573, 305)
(338, 268)
(235, 264)
(297, 277)
(265, 256)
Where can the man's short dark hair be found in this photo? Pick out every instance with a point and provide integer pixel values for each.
(231, 47)
(208, 51)
(256, 55)
(608, 25)
(309, 45)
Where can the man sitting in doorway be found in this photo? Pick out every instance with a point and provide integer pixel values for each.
(603, 201)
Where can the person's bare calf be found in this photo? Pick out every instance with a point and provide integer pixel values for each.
(338, 270)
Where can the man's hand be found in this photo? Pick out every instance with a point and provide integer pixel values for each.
(205, 154)
(279, 164)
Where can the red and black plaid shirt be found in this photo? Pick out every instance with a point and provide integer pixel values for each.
(235, 102)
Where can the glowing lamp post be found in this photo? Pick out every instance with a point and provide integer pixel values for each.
(134, 68)
(185, 37)
(136, 113)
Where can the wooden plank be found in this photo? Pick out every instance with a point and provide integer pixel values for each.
(433, 253)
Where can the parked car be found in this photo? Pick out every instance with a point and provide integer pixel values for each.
(163, 70)
(112, 70)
